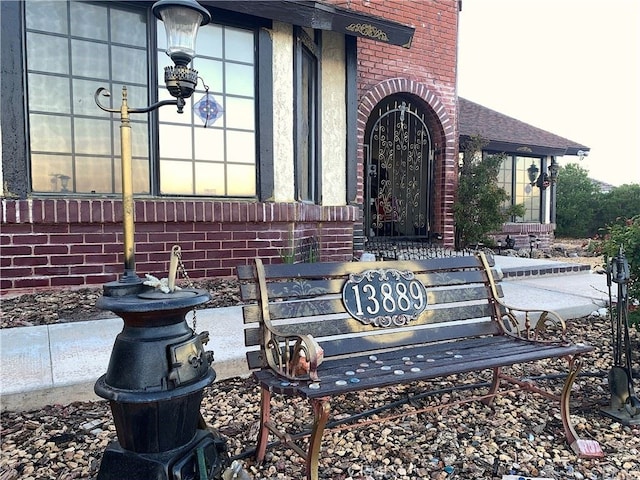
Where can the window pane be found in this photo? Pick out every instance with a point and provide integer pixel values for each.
(94, 174)
(209, 144)
(92, 136)
(89, 21)
(46, 171)
(46, 93)
(210, 179)
(50, 133)
(175, 141)
(238, 45)
(176, 177)
(209, 40)
(210, 152)
(137, 96)
(129, 28)
(239, 113)
(46, 53)
(83, 98)
(241, 180)
(239, 80)
(129, 65)
(241, 147)
(90, 59)
(54, 21)
(211, 73)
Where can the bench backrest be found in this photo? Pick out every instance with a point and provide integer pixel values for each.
(308, 299)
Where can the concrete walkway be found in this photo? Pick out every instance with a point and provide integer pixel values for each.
(59, 363)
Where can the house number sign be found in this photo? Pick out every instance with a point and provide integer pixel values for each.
(384, 297)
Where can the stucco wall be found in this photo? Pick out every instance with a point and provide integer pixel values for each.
(334, 126)
(283, 113)
(333, 116)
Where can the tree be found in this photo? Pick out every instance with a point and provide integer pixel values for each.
(577, 198)
(480, 204)
(620, 202)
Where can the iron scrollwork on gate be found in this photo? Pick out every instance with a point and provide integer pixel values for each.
(384, 297)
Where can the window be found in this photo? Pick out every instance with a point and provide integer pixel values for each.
(73, 48)
(307, 111)
(514, 179)
(219, 160)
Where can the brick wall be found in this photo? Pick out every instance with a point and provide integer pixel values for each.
(65, 243)
(427, 71)
(60, 242)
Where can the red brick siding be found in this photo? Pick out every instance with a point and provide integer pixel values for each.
(64, 243)
(426, 70)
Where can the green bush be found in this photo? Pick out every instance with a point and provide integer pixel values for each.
(625, 232)
(480, 204)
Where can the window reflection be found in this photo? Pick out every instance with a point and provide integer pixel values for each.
(213, 153)
(105, 44)
(72, 142)
(513, 177)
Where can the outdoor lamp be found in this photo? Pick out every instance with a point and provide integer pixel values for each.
(553, 170)
(158, 368)
(533, 173)
(181, 19)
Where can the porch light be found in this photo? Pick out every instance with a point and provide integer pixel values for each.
(553, 171)
(181, 19)
(532, 171)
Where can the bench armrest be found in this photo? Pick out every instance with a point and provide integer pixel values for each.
(511, 318)
(539, 325)
(295, 357)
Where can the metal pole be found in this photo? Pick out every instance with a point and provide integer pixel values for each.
(127, 192)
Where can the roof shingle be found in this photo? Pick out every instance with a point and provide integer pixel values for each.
(509, 135)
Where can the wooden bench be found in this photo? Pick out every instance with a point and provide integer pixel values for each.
(327, 329)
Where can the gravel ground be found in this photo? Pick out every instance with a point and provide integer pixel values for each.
(521, 434)
(59, 306)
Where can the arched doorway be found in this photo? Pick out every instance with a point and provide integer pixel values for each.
(399, 170)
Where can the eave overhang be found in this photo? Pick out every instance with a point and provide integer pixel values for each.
(528, 150)
(322, 16)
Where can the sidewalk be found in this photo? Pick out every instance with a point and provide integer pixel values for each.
(59, 363)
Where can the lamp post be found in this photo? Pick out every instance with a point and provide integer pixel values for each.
(533, 242)
(158, 367)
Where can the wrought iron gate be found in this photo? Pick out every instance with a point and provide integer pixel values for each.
(400, 165)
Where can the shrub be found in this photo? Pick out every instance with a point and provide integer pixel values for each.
(625, 232)
(480, 204)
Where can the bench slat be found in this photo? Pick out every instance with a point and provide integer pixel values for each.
(335, 269)
(489, 353)
(370, 344)
(341, 325)
(309, 287)
(328, 306)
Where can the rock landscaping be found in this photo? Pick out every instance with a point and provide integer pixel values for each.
(519, 435)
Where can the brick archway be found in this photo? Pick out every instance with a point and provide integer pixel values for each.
(443, 123)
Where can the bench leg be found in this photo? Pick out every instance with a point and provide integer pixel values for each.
(495, 385)
(583, 448)
(265, 418)
(321, 408)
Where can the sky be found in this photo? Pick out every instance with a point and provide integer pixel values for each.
(569, 67)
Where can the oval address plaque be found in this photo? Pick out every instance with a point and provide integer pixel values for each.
(384, 297)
